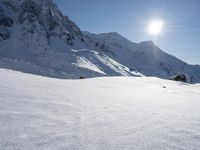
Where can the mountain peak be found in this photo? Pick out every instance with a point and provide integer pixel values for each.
(149, 42)
(36, 37)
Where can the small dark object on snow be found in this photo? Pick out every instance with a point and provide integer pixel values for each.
(81, 77)
(164, 87)
(181, 77)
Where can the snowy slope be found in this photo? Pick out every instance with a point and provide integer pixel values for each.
(35, 37)
(100, 113)
(144, 57)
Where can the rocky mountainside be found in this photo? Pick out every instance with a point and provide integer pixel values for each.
(35, 37)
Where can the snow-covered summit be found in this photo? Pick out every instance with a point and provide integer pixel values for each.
(36, 37)
(145, 57)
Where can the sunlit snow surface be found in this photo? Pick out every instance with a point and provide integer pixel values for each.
(109, 113)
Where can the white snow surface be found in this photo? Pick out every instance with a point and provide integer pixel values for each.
(107, 113)
(85, 63)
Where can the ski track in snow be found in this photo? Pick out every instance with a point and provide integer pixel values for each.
(111, 113)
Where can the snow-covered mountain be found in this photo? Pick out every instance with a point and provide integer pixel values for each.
(145, 57)
(36, 37)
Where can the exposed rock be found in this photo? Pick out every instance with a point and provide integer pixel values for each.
(4, 33)
(181, 76)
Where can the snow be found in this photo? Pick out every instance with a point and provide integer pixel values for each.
(52, 13)
(112, 113)
(144, 57)
(48, 43)
(85, 63)
(45, 42)
(29, 50)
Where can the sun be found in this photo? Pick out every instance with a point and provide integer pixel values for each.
(155, 27)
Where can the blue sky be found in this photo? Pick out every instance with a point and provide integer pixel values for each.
(130, 18)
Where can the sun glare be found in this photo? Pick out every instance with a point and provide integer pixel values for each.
(155, 27)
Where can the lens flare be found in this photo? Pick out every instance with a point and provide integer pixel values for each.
(155, 27)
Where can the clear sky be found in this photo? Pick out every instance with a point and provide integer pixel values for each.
(130, 18)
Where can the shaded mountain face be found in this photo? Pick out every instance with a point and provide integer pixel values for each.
(36, 37)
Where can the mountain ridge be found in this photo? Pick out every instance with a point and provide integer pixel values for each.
(146, 57)
(36, 37)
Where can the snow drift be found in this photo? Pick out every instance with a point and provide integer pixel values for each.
(100, 113)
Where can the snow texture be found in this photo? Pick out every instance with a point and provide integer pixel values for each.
(109, 113)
